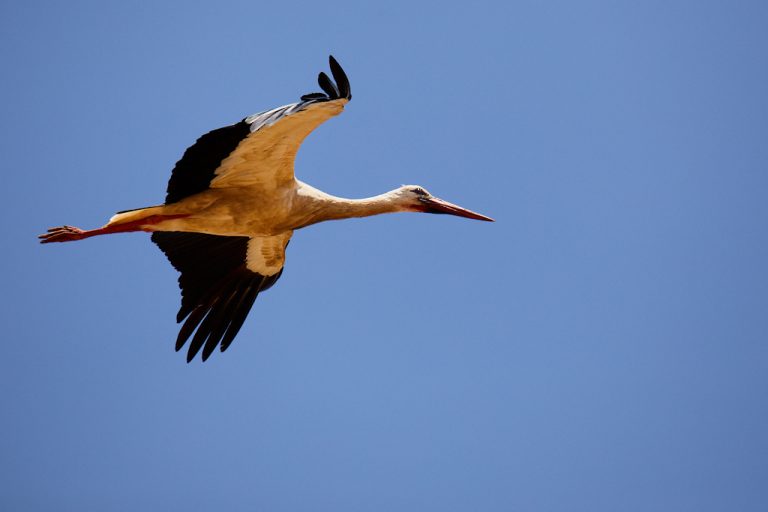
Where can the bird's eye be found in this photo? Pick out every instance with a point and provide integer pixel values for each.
(419, 191)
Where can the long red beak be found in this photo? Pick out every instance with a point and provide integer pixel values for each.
(436, 205)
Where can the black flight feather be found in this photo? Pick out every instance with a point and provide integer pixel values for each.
(217, 288)
(327, 85)
(194, 172)
(247, 298)
(314, 96)
(342, 82)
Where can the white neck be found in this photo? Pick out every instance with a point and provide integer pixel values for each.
(342, 208)
(319, 206)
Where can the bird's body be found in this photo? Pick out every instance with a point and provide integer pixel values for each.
(231, 212)
(233, 204)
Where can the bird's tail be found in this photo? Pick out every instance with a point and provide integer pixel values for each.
(133, 215)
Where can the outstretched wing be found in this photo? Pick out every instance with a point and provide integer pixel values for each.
(221, 276)
(259, 151)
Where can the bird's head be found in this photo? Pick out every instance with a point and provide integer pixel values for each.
(414, 198)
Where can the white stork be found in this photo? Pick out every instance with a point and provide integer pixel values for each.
(233, 204)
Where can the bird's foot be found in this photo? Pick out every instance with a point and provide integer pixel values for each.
(62, 234)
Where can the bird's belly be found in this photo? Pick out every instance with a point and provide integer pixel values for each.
(223, 216)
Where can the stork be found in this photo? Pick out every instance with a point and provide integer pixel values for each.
(232, 205)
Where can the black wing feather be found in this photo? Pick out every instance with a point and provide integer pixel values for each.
(314, 96)
(240, 310)
(327, 85)
(220, 322)
(217, 290)
(342, 82)
(197, 167)
(194, 172)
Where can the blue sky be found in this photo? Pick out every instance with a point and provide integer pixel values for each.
(603, 346)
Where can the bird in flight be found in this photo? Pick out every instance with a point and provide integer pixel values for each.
(233, 204)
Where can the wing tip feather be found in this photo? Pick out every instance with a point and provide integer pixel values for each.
(342, 81)
(335, 89)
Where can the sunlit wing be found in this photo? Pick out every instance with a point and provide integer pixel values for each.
(259, 151)
(265, 158)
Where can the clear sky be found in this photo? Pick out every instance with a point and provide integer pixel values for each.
(602, 347)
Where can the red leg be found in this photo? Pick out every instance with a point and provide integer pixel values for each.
(70, 233)
(62, 234)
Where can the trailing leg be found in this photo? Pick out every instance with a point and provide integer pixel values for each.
(71, 233)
